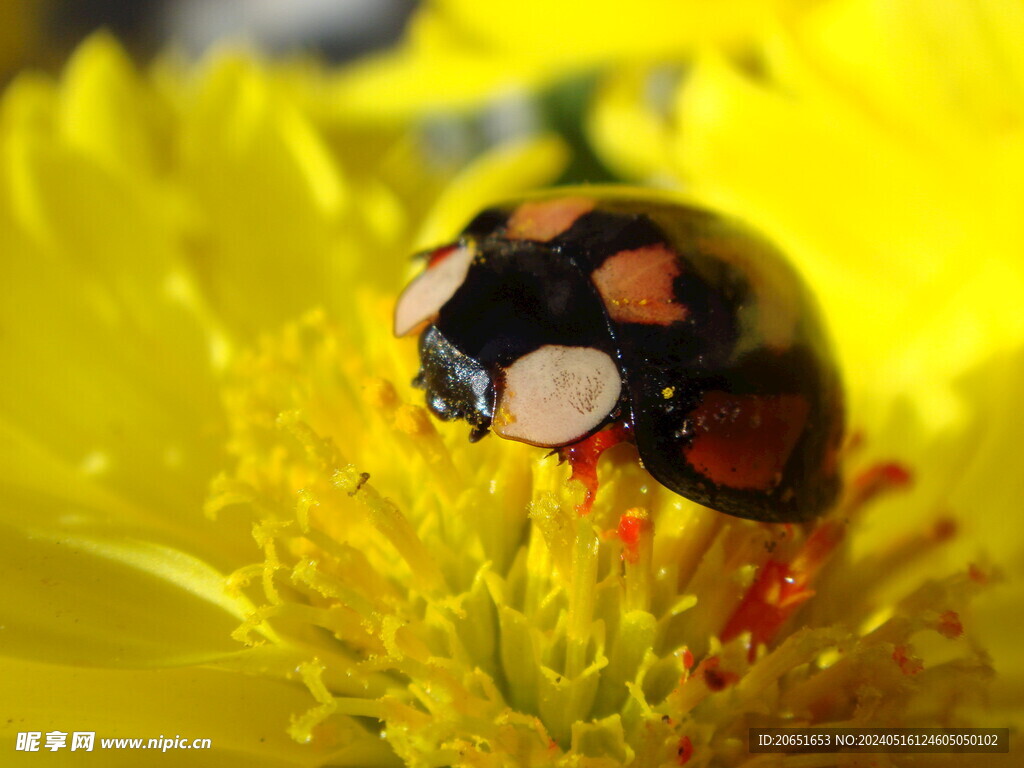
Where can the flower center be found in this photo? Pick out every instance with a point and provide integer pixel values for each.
(450, 596)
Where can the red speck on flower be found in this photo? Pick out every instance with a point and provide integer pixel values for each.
(908, 664)
(583, 456)
(781, 587)
(877, 479)
(632, 527)
(714, 678)
(687, 658)
(854, 442)
(949, 625)
(685, 750)
(943, 529)
(976, 574)
(778, 590)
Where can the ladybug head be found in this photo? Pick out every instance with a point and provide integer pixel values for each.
(457, 386)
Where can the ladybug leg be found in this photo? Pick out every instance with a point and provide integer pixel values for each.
(583, 456)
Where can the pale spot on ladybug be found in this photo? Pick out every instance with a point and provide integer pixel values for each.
(668, 393)
(557, 395)
(637, 286)
(423, 297)
(544, 220)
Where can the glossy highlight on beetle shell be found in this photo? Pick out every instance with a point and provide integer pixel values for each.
(557, 316)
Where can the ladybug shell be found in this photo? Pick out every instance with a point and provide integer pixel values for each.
(589, 306)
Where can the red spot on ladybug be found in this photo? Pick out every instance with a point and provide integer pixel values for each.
(637, 286)
(744, 441)
(547, 219)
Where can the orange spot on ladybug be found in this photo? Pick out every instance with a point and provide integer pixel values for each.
(949, 625)
(636, 286)
(684, 751)
(744, 441)
(632, 526)
(544, 220)
(908, 665)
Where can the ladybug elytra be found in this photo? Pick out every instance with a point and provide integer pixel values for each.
(560, 315)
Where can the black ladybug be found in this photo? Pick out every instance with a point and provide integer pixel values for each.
(556, 316)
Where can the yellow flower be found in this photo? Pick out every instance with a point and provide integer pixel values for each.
(882, 145)
(400, 574)
(459, 53)
(199, 272)
(152, 225)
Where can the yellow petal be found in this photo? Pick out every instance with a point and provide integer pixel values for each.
(501, 173)
(881, 228)
(102, 602)
(244, 717)
(78, 283)
(267, 198)
(628, 123)
(952, 68)
(460, 53)
(106, 112)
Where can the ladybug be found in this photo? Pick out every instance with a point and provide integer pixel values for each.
(561, 318)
